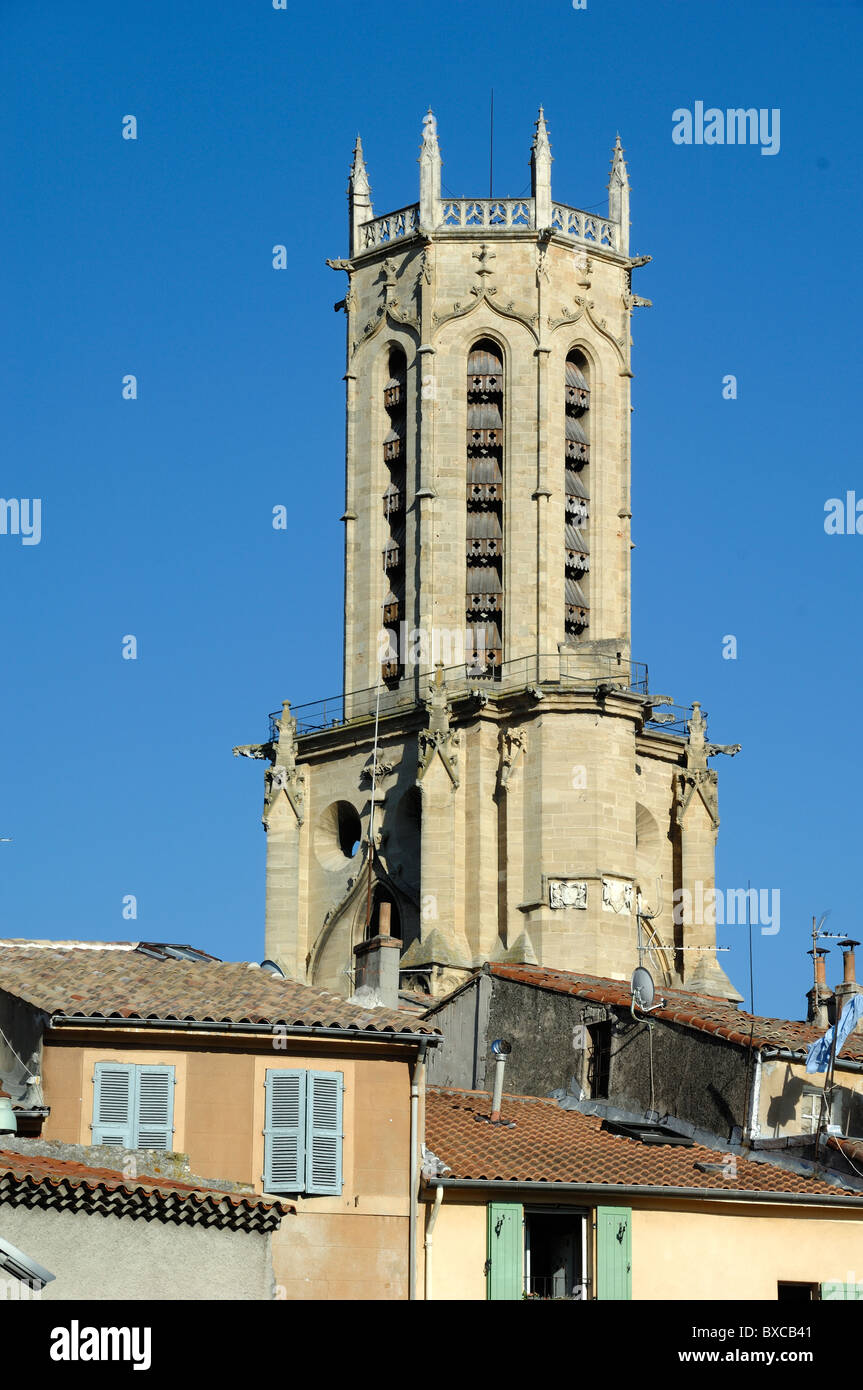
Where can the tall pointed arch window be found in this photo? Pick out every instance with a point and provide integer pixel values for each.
(393, 600)
(577, 491)
(484, 588)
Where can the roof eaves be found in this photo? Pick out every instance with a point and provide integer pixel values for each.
(388, 1032)
(843, 1196)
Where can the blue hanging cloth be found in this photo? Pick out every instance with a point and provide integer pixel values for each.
(818, 1055)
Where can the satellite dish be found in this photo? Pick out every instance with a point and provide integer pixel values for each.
(642, 986)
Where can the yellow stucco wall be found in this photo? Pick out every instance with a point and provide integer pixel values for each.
(458, 1250)
(684, 1250)
(781, 1092)
(714, 1253)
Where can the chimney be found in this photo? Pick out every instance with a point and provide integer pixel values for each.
(500, 1051)
(849, 985)
(819, 997)
(376, 971)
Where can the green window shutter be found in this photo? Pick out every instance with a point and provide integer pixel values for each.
(154, 1108)
(285, 1131)
(505, 1250)
(836, 1289)
(614, 1252)
(324, 1132)
(114, 1105)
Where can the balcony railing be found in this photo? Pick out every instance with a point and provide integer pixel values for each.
(563, 670)
(554, 1287)
(396, 225)
(490, 214)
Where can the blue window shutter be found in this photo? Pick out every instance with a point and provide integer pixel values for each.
(324, 1132)
(155, 1108)
(114, 1105)
(285, 1131)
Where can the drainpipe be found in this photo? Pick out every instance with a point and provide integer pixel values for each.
(430, 1224)
(417, 1079)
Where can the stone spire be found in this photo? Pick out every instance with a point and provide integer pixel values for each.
(540, 173)
(359, 196)
(618, 196)
(430, 167)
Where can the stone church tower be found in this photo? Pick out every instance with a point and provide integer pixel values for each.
(497, 781)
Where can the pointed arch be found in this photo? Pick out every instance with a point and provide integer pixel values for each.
(484, 532)
(577, 482)
(394, 424)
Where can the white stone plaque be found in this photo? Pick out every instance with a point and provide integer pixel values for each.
(567, 892)
(616, 895)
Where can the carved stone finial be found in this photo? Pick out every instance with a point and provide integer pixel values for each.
(430, 174)
(359, 196)
(429, 130)
(284, 776)
(438, 738)
(618, 196)
(359, 172)
(698, 777)
(540, 172)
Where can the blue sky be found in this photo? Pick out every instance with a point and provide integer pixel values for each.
(153, 257)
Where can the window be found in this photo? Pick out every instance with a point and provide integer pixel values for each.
(598, 1060)
(796, 1293)
(577, 490)
(555, 1254)
(810, 1110)
(395, 424)
(133, 1106)
(303, 1132)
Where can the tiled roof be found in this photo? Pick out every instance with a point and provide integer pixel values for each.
(124, 982)
(703, 1012)
(37, 1181)
(550, 1144)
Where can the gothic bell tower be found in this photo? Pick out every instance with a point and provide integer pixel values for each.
(497, 773)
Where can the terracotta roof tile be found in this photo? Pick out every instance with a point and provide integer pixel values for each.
(122, 982)
(40, 1180)
(703, 1012)
(550, 1144)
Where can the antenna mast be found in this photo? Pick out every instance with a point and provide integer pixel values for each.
(491, 148)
